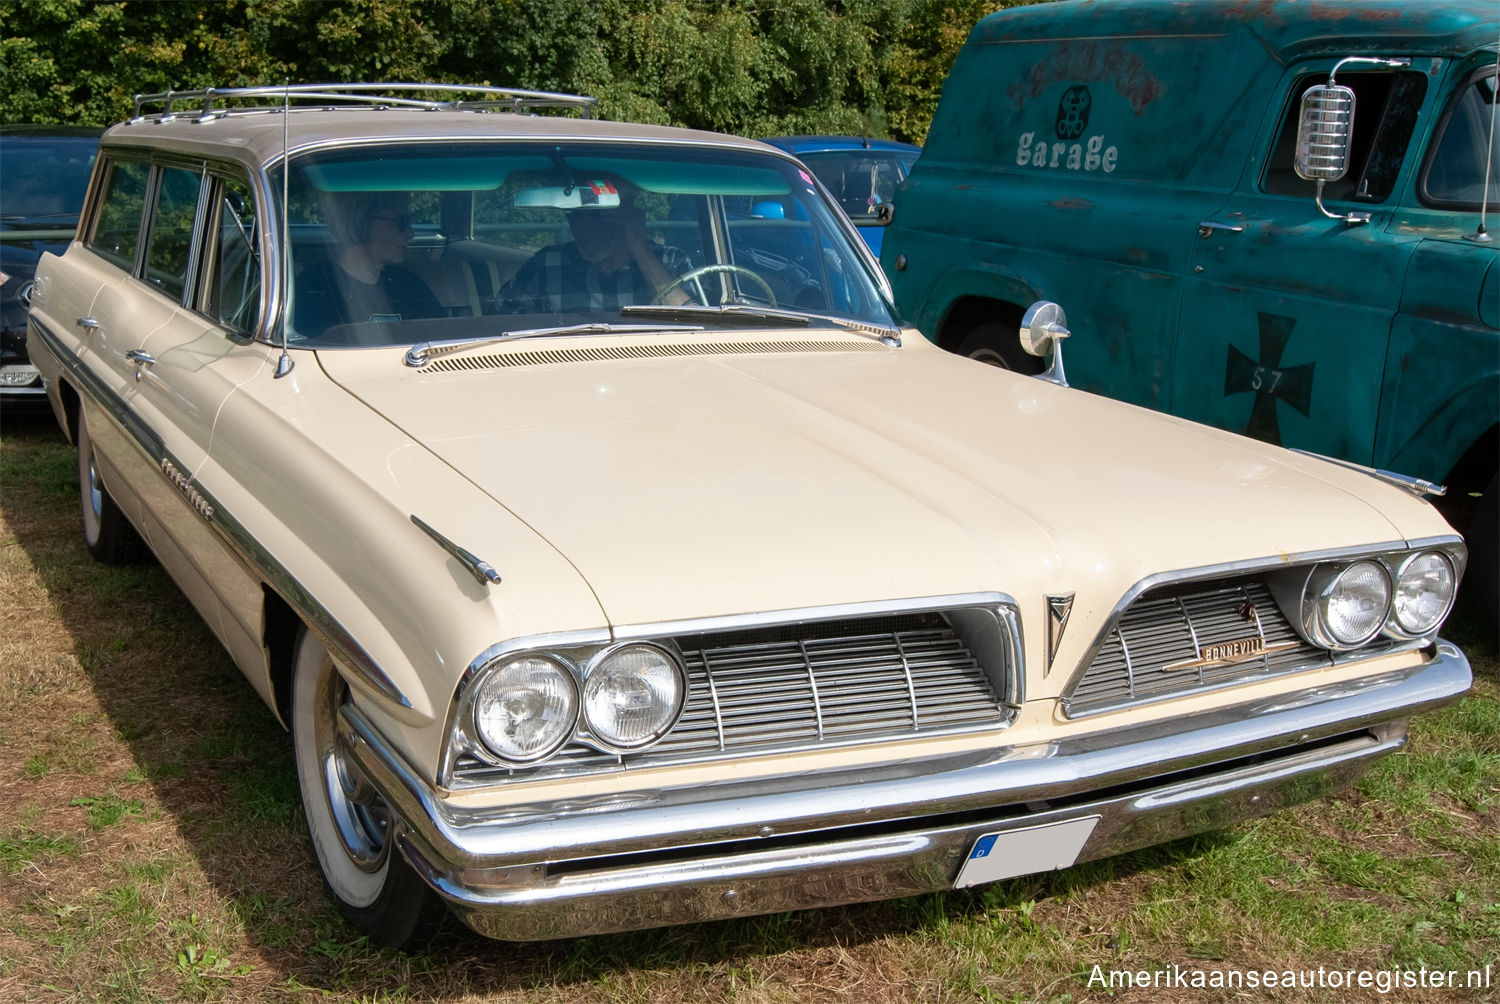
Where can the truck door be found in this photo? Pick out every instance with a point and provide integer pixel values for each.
(1286, 313)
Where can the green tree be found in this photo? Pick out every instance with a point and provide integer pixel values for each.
(757, 67)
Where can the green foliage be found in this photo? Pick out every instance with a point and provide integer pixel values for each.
(757, 67)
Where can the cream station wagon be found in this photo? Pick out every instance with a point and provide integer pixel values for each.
(616, 557)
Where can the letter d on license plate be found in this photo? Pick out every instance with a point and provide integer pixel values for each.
(1009, 853)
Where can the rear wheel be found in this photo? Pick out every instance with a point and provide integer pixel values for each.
(998, 344)
(109, 536)
(348, 821)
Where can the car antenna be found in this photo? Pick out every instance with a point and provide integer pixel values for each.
(1482, 235)
(284, 363)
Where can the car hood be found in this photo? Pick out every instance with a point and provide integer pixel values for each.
(695, 481)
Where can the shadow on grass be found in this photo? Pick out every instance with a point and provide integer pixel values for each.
(221, 767)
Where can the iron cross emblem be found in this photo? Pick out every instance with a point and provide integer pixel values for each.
(1268, 379)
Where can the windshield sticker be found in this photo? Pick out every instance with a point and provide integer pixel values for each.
(1268, 379)
(1091, 155)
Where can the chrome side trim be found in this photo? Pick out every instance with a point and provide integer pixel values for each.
(484, 573)
(506, 867)
(90, 382)
(317, 617)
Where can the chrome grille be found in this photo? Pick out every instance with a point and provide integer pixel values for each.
(804, 687)
(1169, 626)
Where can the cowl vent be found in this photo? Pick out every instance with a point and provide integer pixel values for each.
(603, 353)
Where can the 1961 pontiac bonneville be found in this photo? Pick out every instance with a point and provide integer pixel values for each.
(617, 558)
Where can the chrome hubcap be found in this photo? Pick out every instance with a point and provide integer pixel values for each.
(96, 498)
(360, 815)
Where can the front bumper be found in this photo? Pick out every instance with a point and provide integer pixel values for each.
(667, 856)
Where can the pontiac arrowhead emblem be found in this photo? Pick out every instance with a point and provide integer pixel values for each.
(1058, 610)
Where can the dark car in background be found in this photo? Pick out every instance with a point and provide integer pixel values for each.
(44, 171)
(861, 173)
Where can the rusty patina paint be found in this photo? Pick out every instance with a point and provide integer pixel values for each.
(1118, 157)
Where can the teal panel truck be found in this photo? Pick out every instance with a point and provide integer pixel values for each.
(1155, 168)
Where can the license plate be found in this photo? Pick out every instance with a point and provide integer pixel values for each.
(1009, 853)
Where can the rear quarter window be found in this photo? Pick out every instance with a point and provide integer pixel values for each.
(117, 231)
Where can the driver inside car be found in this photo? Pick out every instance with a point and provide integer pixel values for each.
(610, 262)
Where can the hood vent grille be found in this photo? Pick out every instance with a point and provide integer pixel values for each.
(604, 353)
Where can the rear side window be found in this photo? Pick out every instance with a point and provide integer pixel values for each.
(1467, 146)
(1385, 115)
(117, 233)
(172, 230)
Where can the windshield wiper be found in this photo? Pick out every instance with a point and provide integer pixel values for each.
(764, 315)
(419, 355)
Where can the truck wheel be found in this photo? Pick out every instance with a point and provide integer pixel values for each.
(1482, 580)
(109, 536)
(348, 821)
(999, 344)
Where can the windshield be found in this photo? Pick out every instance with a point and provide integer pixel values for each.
(407, 244)
(861, 180)
(45, 178)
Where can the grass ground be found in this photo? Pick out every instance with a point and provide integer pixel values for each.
(151, 848)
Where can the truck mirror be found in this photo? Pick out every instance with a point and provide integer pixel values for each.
(1042, 329)
(1324, 133)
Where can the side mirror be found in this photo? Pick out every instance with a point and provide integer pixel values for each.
(1325, 132)
(1042, 330)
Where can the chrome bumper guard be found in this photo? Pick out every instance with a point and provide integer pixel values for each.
(669, 856)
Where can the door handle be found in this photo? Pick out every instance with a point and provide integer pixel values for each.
(87, 323)
(1209, 226)
(140, 358)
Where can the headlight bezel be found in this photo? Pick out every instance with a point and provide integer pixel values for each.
(591, 733)
(1299, 593)
(577, 657)
(1322, 583)
(481, 746)
(1394, 627)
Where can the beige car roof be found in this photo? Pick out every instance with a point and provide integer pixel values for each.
(255, 136)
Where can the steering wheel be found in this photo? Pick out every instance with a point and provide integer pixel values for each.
(695, 275)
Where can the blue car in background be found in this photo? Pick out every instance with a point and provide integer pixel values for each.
(44, 171)
(861, 173)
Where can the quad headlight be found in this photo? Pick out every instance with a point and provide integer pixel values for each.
(525, 708)
(1425, 587)
(632, 696)
(1406, 595)
(1351, 604)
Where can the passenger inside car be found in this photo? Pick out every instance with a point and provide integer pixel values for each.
(363, 279)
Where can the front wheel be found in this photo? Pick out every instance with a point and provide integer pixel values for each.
(348, 821)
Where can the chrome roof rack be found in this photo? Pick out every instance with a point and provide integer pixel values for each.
(215, 102)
